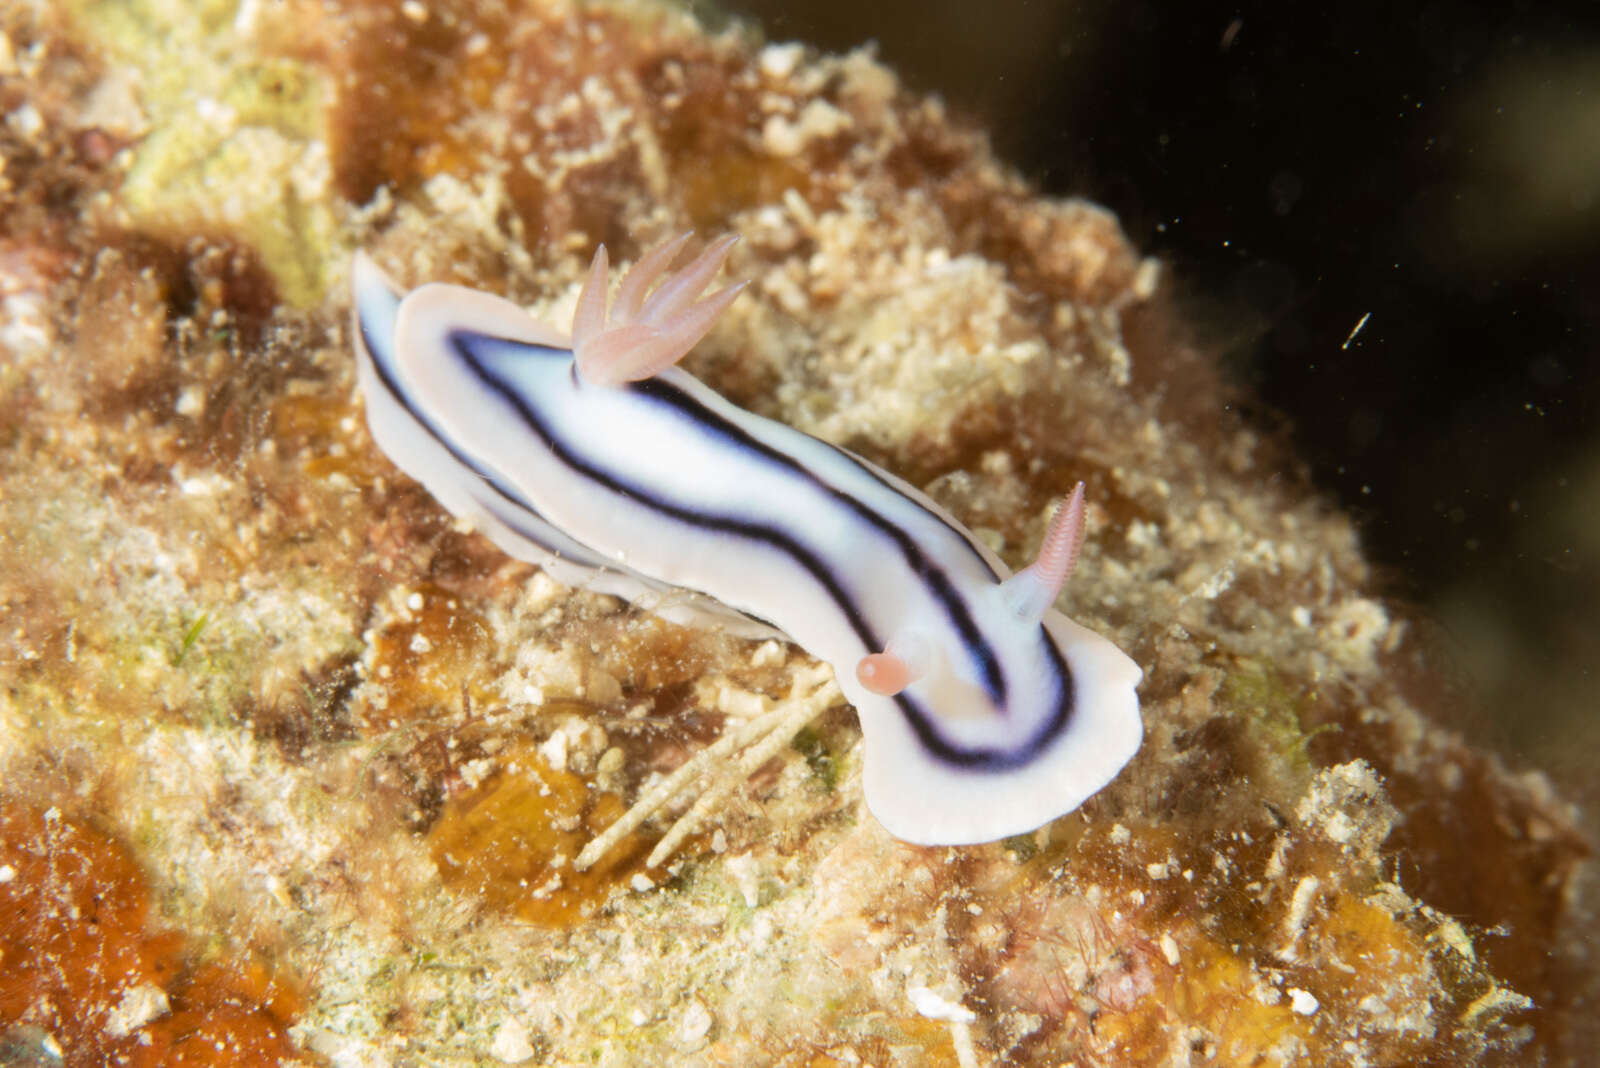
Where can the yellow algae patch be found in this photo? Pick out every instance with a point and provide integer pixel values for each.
(1214, 1001)
(314, 427)
(909, 1040)
(1378, 970)
(428, 656)
(1367, 980)
(511, 840)
(874, 1039)
(1218, 991)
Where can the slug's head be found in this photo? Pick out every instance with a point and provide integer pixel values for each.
(641, 337)
(1023, 599)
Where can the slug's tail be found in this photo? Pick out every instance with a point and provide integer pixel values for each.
(643, 336)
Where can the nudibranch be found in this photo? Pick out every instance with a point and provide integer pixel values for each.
(984, 712)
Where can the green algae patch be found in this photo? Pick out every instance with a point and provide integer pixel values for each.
(824, 766)
(234, 140)
(272, 197)
(1276, 711)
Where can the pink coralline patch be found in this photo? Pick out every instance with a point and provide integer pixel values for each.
(1043, 946)
(1127, 981)
(28, 273)
(852, 925)
(1046, 949)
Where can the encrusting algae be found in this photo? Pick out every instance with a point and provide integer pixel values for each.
(86, 977)
(512, 841)
(264, 701)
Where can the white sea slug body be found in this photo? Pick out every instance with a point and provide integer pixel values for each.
(985, 713)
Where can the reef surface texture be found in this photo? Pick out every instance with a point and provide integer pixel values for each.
(293, 767)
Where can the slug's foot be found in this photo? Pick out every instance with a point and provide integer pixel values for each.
(755, 741)
(641, 337)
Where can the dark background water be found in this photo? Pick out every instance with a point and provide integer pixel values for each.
(1431, 171)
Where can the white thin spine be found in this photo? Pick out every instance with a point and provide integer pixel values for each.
(780, 734)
